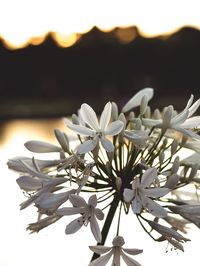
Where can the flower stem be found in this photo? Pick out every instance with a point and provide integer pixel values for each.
(107, 223)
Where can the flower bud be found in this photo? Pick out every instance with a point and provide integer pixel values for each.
(143, 105)
(175, 165)
(114, 111)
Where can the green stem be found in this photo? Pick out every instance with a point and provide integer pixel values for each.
(107, 223)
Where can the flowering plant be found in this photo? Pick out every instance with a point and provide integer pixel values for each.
(129, 163)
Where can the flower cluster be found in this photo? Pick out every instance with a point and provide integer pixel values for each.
(129, 162)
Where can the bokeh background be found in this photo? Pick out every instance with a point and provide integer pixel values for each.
(55, 55)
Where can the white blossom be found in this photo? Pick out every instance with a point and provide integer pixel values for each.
(88, 212)
(182, 122)
(141, 193)
(117, 252)
(97, 131)
(137, 98)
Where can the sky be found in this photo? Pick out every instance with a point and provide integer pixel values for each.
(51, 246)
(29, 21)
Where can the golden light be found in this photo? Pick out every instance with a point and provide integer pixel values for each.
(27, 21)
(24, 22)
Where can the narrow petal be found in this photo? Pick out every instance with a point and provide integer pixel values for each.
(136, 205)
(74, 226)
(41, 146)
(102, 261)
(136, 99)
(187, 132)
(192, 122)
(50, 200)
(107, 144)
(148, 177)
(99, 214)
(87, 146)
(153, 207)
(28, 183)
(128, 194)
(132, 251)
(151, 122)
(89, 116)
(155, 192)
(116, 256)
(93, 201)
(194, 107)
(85, 131)
(172, 181)
(166, 231)
(129, 261)
(69, 210)
(136, 134)
(114, 128)
(105, 116)
(180, 118)
(77, 200)
(95, 229)
(100, 249)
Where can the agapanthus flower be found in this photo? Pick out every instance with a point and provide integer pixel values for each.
(142, 193)
(117, 251)
(88, 212)
(132, 164)
(181, 122)
(97, 131)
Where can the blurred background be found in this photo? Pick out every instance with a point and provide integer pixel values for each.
(57, 54)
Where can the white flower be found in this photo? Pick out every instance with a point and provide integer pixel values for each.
(116, 251)
(88, 212)
(138, 137)
(141, 193)
(97, 131)
(137, 98)
(182, 122)
(48, 202)
(169, 234)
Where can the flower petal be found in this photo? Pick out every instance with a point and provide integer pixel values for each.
(87, 146)
(136, 205)
(192, 122)
(180, 118)
(99, 214)
(41, 146)
(28, 183)
(105, 116)
(136, 99)
(114, 128)
(194, 107)
(132, 251)
(107, 144)
(77, 201)
(100, 249)
(93, 201)
(102, 261)
(153, 207)
(148, 177)
(85, 131)
(50, 200)
(187, 132)
(155, 192)
(129, 261)
(69, 210)
(128, 194)
(74, 226)
(89, 116)
(95, 229)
